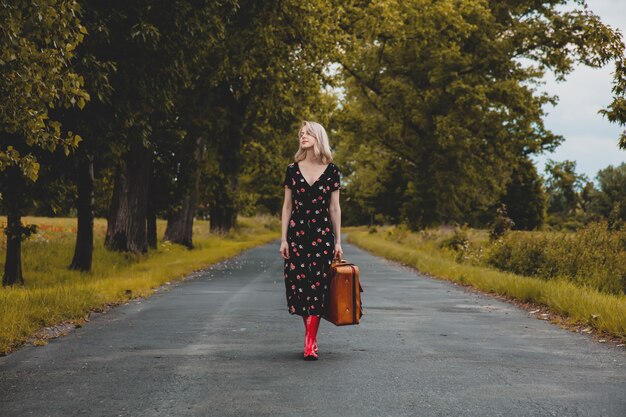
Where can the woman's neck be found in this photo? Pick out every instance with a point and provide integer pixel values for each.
(312, 159)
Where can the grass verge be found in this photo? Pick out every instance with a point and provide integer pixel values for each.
(52, 294)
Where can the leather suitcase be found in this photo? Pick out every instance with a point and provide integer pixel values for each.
(344, 304)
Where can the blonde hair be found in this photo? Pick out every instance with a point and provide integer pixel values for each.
(321, 147)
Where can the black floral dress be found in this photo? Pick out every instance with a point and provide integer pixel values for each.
(311, 240)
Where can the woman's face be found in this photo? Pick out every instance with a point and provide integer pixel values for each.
(307, 140)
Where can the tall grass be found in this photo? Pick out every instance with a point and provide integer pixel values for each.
(579, 304)
(53, 294)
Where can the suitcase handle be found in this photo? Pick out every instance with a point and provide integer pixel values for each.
(341, 262)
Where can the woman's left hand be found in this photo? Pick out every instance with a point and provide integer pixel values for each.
(338, 251)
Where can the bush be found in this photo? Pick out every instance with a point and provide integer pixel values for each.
(520, 253)
(398, 233)
(594, 256)
(458, 241)
(502, 223)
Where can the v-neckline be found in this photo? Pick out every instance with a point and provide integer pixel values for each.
(318, 178)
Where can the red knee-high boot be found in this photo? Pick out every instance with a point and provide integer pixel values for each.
(317, 326)
(309, 353)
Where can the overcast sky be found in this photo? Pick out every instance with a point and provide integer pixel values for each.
(590, 139)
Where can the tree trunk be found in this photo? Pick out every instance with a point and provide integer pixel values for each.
(151, 218)
(83, 251)
(126, 227)
(151, 228)
(222, 211)
(13, 263)
(180, 224)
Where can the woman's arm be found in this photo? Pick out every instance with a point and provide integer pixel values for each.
(335, 218)
(286, 214)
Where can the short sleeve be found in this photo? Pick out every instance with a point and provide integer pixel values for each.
(288, 176)
(335, 179)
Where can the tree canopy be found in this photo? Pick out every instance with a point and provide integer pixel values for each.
(443, 88)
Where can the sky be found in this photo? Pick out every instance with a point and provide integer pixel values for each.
(590, 139)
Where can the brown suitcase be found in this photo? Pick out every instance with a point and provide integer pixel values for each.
(344, 304)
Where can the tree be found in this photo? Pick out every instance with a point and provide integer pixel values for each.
(441, 86)
(525, 197)
(563, 186)
(180, 219)
(37, 42)
(616, 111)
(93, 122)
(612, 192)
(154, 47)
(272, 65)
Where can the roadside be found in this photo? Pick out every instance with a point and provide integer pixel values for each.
(54, 299)
(582, 310)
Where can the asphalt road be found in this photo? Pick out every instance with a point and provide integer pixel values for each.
(223, 344)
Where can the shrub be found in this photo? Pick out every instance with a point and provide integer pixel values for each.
(519, 253)
(458, 241)
(593, 256)
(398, 233)
(502, 223)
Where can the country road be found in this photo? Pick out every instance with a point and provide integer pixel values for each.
(223, 344)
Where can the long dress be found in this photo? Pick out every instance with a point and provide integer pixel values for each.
(311, 240)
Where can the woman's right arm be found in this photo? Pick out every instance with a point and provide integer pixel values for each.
(286, 214)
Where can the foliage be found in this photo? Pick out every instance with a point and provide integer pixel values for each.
(438, 85)
(23, 232)
(525, 198)
(377, 184)
(501, 224)
(397, 233)
(616, 111)
(615, 220)
(611, 194)
(563, 186)
(458, 241)
(37, 42)
(593, 256)
(271, 75)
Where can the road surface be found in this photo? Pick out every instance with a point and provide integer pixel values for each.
(223, 344)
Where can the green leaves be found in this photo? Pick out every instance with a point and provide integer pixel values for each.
(146, 33)
(21, 232)
(37, 41)
(439, 85)
(28, 164)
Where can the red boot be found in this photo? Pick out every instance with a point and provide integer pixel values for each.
(317, 326)
(309, 338)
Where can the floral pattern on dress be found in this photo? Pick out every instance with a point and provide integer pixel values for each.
(311, 240)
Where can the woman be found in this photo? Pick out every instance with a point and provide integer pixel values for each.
(311, 230)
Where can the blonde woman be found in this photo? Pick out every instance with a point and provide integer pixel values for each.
(311, 229)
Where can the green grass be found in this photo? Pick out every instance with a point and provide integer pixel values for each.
(53, 294)
(579, 305)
